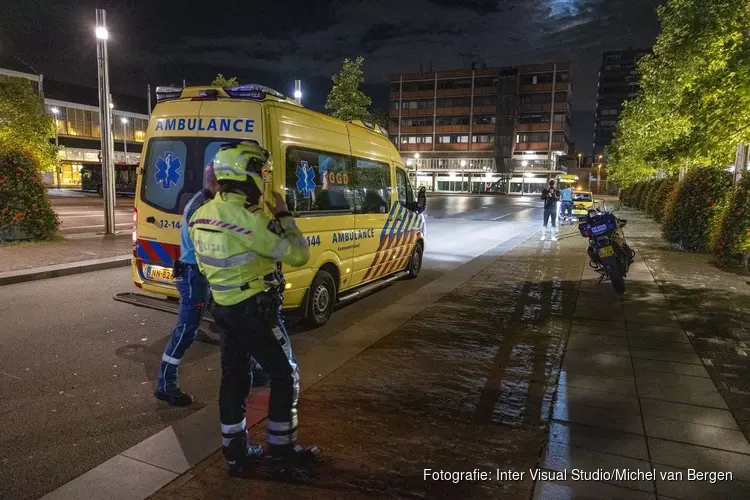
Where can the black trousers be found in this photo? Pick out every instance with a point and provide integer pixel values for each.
(252, 329)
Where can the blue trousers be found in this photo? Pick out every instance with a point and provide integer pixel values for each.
(194, 291)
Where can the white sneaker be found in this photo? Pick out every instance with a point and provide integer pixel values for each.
(544, 235)
(554, 237)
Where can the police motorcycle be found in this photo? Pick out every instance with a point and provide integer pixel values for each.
(609, 253)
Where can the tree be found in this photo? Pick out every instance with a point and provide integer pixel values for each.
(379, 116)
(221, 81)
(694, 102)
(24, 126)
(346, 101)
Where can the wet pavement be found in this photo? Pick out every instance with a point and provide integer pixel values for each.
(531, 366)
(466, 384)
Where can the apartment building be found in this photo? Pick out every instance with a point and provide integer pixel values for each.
(480, 129)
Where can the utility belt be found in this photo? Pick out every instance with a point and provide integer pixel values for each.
(179, 267)
(268, 303)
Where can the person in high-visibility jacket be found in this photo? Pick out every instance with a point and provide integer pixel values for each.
(238, 248)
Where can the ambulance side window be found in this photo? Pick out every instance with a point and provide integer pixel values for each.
(165, 172)
(405, 193)
(372, 181)
(318, 181)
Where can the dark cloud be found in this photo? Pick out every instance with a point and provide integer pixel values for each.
(277, 42)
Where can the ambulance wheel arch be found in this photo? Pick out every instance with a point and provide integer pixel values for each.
(415, 262)
(321, 295)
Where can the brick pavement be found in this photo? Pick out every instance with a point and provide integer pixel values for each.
(467, 383)
(19, 256)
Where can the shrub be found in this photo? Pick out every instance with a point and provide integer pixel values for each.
(653, 187)
(691, 222)
(732, 236)
(637, 193)
(657, 204)
(23, 200)
(641, 195)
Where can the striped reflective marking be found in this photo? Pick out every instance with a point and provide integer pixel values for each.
(235, 260)
(392, 245)
(223, 225)
(158, 253)
(170, 359)
(233, 428)
(225, 288)
(404, 245)
(378, 253)
(274, 439)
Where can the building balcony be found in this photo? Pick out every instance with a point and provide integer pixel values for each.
(483, 129)
(454, 92)
(462, 111)
(541, 146)
(416, 112)
(452, 147)
(413, 94)
(485, 110)
(482, 146)
(451, 129)
(414, 130)
(415, 147)
(535, 87)
(543, 127)
(485, 91)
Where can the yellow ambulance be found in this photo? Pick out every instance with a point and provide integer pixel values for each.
(344, 182)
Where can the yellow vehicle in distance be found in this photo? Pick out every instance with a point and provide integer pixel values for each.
(344, 182)
(583, 201)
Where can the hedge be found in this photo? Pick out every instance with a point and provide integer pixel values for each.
(690, 223)
(24, 206)
(653, 187)
(657, 203)
(637, 195)
(732, 238)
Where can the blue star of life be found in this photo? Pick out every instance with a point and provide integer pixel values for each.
(305, 179)
(168, 170)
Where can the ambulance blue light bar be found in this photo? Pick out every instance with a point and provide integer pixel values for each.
(167, 93)
(252, 91)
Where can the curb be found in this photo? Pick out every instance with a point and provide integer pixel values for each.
(56, 271)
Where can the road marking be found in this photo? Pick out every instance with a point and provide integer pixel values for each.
(500, 217)
(11, 376)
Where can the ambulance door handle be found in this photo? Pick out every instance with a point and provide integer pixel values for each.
(152, 220)
(397, 219)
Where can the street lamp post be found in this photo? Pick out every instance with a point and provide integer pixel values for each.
(298, 91)
(599, 175)
(579, 160)
(416, 169)
(463, 167)
(105, 113)
(124, 122)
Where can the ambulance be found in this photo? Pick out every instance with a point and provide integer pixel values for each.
(344, 182)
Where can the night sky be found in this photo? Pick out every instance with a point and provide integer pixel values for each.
(277, 42)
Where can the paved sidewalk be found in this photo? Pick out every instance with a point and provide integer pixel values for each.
(20, 256)
(532, 364)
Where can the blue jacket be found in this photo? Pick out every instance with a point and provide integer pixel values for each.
(187, 250)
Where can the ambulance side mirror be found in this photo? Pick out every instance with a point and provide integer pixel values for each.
(421, 200)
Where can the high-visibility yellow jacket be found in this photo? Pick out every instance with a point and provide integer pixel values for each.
(236, 247)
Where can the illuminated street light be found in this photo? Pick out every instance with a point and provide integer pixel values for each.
(102, 33)
(298, 91)
(124, 122)
(524, 163)
(106, 123)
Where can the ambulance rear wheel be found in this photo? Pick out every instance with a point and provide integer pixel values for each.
(321, 299)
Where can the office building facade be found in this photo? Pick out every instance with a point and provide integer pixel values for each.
(75, 109)
(619, 81)
(473, 130)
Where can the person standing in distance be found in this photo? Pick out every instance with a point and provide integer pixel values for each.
(566, 199)
(551, 196)
(193, 289)
(237, 248)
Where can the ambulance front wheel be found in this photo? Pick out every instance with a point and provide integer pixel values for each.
(321, 299)
(415, 263)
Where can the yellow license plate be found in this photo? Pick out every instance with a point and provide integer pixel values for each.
(606, 251)
(159, 273)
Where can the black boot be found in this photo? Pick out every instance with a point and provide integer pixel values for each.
(241, 456)
(174, 398)
(292, 463)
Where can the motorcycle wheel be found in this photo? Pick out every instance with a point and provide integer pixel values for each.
(618, 282)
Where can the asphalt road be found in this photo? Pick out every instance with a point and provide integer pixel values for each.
(82, 213)
(77, 368)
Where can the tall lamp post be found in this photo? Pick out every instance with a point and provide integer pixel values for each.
(298, 91)
(416, 169)
(105, 114)
(124, 122)
(599, 175)
(579, 159)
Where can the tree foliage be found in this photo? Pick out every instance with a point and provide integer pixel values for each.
(653, 187)
(379, 116)
(24, 126)
(694, 102)
(346, 101)
(23, 200)
(691, 223)
(222, 81)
